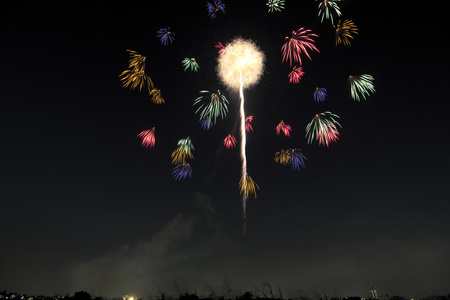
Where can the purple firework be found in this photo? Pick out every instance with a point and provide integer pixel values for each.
(206, 123)
(165, 35)
(320, 94)
(213, 10)
(182, 171)
(297, 159)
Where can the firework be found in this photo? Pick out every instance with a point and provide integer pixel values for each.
(345, 31)
(297, 159)
(247, 186)
(248, 124)
(275, 5)
(135, 76)
(300, 41)
(291, 156)
(326, 7)
(206, 123)
(328, 134)
(148, 138)
(361, 86)
(211, 105)
(282, 127)
(242, 63)
(137, 61)
(229, 141)
(183, 151)
(135, 79)
(296, 75)
(190, 63)
(323, 128)
(182, 171)
(220, 47)
(186, 144)
(166, 36)
(320, 94)
(156, 96)
(282, 157)
(214, 9)
(241, 66)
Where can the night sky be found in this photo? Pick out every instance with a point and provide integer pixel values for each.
(85, 207)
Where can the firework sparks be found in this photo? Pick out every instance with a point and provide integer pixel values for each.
(211, 105)
(282, 127)
(148, 138)
(296, 75)
(361, 86)
(220, 47)
(291, 156)
(190, 63)
(229, 141)
(206, 123)
(345, 31)
(166, 36)
(320, 94)
(156, 96)
(326, 7)
(135, 76)
(299, 42)
(323, 128)
(248, 123)
(214, 9)
(182, 171)
(183, 151)
(275, 5)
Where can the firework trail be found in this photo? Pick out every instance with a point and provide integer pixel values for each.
(243, 155)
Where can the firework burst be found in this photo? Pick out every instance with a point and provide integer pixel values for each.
(323, 128)
(327, 8)
(190, 63)
(300, 41)
(345, 31)
(320, 94)
(148, 138)
(214, 9)
(284, 128)
(361, 86)
(166, 36)
(182, 171)
(296, 75)
(211, 105)
(275, 5)
(229, 141)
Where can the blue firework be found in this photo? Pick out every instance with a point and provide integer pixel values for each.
(214, 9)
(181, 171)
(320, 94)
(166, 36)
(206, 123)
(297, 159)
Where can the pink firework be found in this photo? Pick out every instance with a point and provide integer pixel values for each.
(220, 47)
(248, 124)
(300, 41)
(282, 127)
(229, 141)
(148, 138)
(327, 134)
(296, 75)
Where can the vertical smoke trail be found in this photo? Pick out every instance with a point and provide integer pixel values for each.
(243, 157)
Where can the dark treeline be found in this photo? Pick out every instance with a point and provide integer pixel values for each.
(82, 295)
